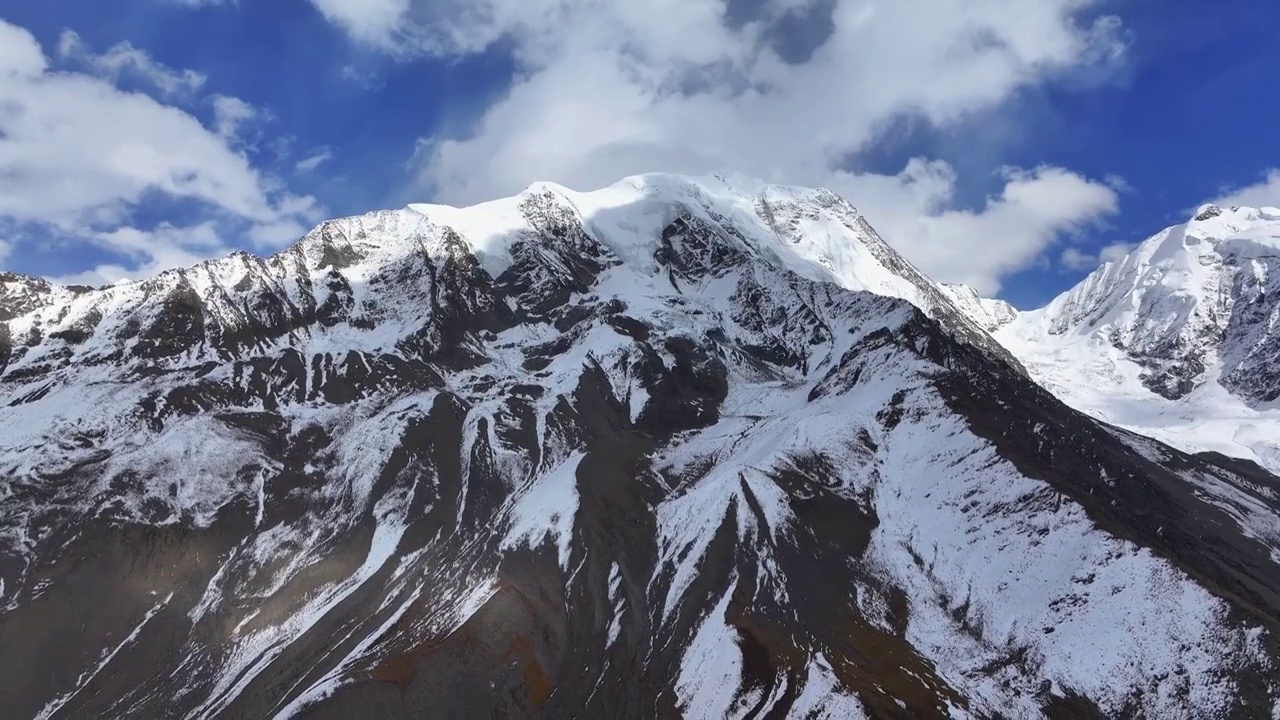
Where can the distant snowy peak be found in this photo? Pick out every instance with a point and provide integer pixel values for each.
(1196, 302)
(1182, 261)
(987, 313)
(1178, 340)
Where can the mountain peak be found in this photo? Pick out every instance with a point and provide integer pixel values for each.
(812, 232)
(1207, 212)
(1216, 224)
(674, 447)
(1184, 326)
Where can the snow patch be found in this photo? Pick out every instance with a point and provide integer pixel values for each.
(711, 670)
(546, 508)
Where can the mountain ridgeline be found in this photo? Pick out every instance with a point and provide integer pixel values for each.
(680, 447)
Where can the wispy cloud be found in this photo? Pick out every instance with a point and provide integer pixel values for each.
(230, 113)
(1075, 259)
(1264, 193)
(310, 163)
(125, 60)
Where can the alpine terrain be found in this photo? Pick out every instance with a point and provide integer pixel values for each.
(1179, 340)
(700, 448)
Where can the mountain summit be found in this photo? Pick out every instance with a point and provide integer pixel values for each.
(1179, 339)
(680, 447)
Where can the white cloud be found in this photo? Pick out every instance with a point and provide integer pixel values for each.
(20, 54)
(166, 246)
(149, 251)
(377, 22)
(1011, 231)
(1265, 193)
(1076, 259)
(230, 113)
(608, 88)
(80, 156)
(1116, 252)
(273, 235)
(310, 163)
(125, 60)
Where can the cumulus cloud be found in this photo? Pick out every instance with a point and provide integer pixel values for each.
(1265, 193)
(80, 156)
(377, 22)
(20, 54)
(125, 60)
(609, 88)
(978, 247)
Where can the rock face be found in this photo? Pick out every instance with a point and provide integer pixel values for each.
(1180, 339)
(676, 448)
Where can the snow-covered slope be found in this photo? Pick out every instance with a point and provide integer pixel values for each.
(988, 314)
(1179, 340)
(681, 447)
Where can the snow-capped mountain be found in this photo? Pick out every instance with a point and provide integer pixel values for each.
(680, 447)
(1179, 340)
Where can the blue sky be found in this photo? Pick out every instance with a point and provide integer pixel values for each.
(1002, 143)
